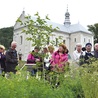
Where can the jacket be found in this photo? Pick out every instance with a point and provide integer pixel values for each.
(2, 61)
(85, 57)
(11, 60)
(32, 58)
(59, 60)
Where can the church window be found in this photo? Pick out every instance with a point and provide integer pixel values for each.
(21, 39)
(56, 41)
(75, 40)
(75, 48)
(84, 39)
(64, 41)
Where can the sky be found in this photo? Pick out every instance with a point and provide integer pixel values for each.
(81, 11)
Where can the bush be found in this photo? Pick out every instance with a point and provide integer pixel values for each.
(81, 82)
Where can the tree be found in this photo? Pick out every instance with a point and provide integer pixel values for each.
(6, 36)
(94, 30)
(38, 30)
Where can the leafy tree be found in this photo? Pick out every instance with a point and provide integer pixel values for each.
(6, 36)
(94, 29)
(38, 30)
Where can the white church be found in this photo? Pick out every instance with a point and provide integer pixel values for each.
(71, 35)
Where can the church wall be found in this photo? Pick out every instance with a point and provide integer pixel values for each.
(79, 37)
(26, 46)
(87, 38)
(23, 46)
(64, 38)
(74, 39)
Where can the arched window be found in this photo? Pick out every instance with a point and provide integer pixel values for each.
(84, 39)
(21, 39)
(75, 40)
(56, 42)
(64, 41)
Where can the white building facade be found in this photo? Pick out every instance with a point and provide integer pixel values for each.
(71, 35)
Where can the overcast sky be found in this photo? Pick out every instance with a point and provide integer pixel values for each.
(82, 11)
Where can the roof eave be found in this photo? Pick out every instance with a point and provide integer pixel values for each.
(81, 32)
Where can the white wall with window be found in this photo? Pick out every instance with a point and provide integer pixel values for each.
(21, 40)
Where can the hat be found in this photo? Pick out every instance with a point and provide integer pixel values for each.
(88, 44)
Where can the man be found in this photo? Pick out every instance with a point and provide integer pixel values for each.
(77, 53)
(96, 50)
(84, 58)
(11, 58)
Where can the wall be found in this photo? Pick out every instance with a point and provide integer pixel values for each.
(26, 46)
(80, 37)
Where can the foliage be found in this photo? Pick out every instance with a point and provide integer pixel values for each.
(94, 30)
(74, 82)
(6, 36)
(18, 86)
(38, 30)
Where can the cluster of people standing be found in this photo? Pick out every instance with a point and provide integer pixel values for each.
(82, 55)
(8, 59)
(52, 58)
(60, 57)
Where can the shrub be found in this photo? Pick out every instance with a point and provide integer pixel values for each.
(81, 82)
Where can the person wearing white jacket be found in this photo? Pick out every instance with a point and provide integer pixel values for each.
(77, 53)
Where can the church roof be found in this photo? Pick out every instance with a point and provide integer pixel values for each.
(61, 27)
(69, 28)
(65, 28)
(78, 28)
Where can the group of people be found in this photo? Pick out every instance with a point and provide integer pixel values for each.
(82, 55)
(60, 57)
(48, 57)
(8, 58)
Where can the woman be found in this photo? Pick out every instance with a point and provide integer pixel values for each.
(59, 58)
(51, 49)
(33, 58)
(2, 59)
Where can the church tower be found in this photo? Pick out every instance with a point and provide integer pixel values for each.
(67, 18)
